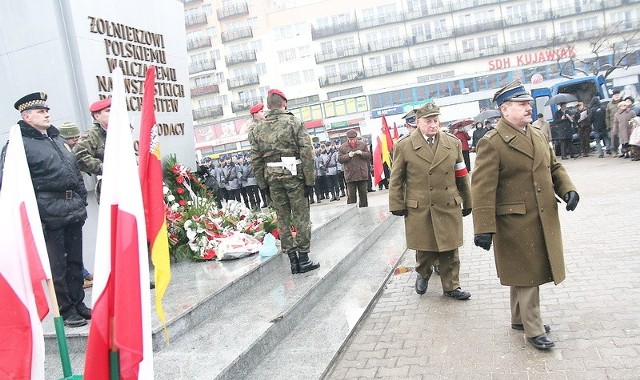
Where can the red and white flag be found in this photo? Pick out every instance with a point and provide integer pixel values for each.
(121, 317)
(24, 264)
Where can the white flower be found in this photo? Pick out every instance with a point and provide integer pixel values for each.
(165, 190)
(171, 198)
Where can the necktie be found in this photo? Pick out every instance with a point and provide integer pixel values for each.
(430, 141)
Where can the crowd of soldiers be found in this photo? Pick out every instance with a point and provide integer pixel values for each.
(231, 177)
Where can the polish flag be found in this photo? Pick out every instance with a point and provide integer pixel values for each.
(24, 264)
(121, 318)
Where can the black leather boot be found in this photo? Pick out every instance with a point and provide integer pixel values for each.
(295, 264)
(306, 265)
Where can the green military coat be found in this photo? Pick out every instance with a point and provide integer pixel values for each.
(424, 184)
(514, 185)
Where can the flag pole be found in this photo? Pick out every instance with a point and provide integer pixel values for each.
(61, 337)
(114, 355)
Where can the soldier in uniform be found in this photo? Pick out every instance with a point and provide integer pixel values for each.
(231, 179)
(257, 115)
(61, 198)
(90, 149)
(249, 183)
(283, 162)
(514, 187)
(430, 189)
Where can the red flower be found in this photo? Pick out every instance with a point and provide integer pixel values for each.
(182, 202)
(209, 254)
(180, 190)
(276, 233)
(180, 180)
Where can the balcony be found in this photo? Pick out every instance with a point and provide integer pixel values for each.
(195, 19)
(243, 57)
(482, 27)
(525, 45)
(388, 69)
(465, 4)
(317, 33)
(350, 76)
(189, 2)
(524, 18)
(244, 105)
(200, 66)
(380, 20)
(205, 90)
(339, 53)
(236, 34)
(242, 81)
(207, 112)
(199, 42)
(387, 44)
(234, 10)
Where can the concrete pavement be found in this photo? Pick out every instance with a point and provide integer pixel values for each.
(594, 314)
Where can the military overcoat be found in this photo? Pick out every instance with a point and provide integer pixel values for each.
(424, 184)
(514, 185)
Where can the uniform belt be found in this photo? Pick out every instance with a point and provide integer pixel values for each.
(280, 164)
(67, 194)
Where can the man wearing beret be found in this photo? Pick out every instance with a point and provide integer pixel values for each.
(514, 187)
(61, 198)
(282, 158)
(354, 155)
(430, 188)
(90, 149)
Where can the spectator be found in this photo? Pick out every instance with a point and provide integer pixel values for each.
(355, 157)
(598, 115)
(543, 126)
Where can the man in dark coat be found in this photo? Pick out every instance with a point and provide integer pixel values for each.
(430, 188)
(61, 198)
(514, 186)
(598, 113)
(354, 155)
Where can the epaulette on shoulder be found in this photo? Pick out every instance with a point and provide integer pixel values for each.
(490, 134)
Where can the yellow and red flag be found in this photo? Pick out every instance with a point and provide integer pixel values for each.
(150, 167)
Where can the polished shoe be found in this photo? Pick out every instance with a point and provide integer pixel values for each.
(421, 284)
(436, 268)
(74, 320)
(601, 156)
(458, 294)
(541, 342)
(371, 191)
(334, 199)
(84, 311)
(312, 202)
(520, 326)
(305, 265)
(635, 159)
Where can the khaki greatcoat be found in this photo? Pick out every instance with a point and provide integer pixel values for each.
(423, 182)
(514, 185)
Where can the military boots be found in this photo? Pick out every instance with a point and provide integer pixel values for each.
(295, 264)
(304, 264)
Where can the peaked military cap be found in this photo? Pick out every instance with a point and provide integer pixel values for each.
(69, 130)
(100, 105)
(429, 109)
(514, 92)
(410, 118)
(277, 92)
(35, 100)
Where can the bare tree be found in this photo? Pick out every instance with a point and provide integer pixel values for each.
(618, 41)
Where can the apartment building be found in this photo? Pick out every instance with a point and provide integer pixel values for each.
(344, 63)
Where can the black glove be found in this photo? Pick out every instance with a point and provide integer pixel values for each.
(399, 212)
(308, 191)
(483, 241)
(466, 211)
(266, 190)
(572, 199)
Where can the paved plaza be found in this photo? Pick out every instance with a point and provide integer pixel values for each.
(594, 314)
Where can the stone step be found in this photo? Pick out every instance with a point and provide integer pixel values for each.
(236, 336)
(200, 283)
(309, 350)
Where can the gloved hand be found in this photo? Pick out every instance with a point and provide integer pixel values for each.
(572, 199)
(466, 211)
(308, 191)
(483, 241)
(399, 212)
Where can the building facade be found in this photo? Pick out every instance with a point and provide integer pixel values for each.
(345, 64)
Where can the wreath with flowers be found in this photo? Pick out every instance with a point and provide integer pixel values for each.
(200, 230)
